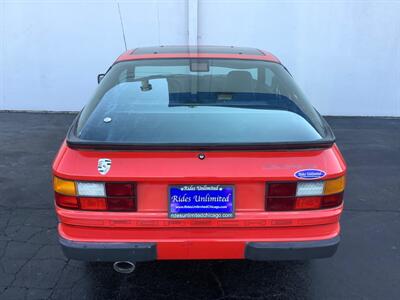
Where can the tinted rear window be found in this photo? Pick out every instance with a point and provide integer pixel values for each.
(199, 101)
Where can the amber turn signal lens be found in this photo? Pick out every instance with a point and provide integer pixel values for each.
(64, 187)
(334, 186)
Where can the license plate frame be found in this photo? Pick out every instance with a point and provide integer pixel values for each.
(202, 206)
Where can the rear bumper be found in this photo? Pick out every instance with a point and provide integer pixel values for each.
(108, 251)
(152, 236)
(260, 251)
(292, 251)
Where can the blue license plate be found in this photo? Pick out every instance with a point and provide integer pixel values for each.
(201, 201)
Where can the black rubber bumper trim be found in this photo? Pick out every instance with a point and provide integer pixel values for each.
(88, 251)
(291, 250)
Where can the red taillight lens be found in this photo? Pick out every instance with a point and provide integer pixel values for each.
(282, 189)
(280, 204)
(332, 200)
(120, 196)
(281, 196)
(92, 203)
(66, 201)
(307, 203)
(121, 204)
(119, 189)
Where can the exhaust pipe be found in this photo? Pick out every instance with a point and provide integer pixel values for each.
(124, 267)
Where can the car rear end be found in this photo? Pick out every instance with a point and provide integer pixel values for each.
(200, 168)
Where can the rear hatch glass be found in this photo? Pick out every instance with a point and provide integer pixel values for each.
(159, 102)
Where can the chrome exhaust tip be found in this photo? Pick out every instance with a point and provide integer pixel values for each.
(124, 267)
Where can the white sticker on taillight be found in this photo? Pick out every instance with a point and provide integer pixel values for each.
(91, 189)
(310, 188)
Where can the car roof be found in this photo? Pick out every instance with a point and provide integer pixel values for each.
(231, 52)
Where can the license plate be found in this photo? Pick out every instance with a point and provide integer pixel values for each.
(201, 201)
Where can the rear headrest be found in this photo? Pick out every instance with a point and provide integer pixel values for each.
(239, 81)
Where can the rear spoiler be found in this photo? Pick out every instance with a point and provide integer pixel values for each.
(193, 147)
(74, 142)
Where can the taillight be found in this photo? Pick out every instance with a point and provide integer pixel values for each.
(64, 187)
(307, 203)
(97, 196)
(66, 201)
(89, 203)
(90, 189)
(332, 200)
(121, 204)
(121, 196)
(282, 189)
(304, 195)
(119, 189)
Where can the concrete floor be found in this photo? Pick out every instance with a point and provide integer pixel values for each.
(367, 265)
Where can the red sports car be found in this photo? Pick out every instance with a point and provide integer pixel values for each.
(198, 153)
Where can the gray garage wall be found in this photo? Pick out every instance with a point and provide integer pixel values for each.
(344, 54)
